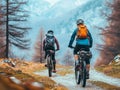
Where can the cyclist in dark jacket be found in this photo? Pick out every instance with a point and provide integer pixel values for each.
(49, 44)
(81, 43)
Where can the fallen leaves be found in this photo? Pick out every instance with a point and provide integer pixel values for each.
(22, 77)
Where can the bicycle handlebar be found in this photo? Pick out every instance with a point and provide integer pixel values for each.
(71, 47)
(56, 50)
(52, 51)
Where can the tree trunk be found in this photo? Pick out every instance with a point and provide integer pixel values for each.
(7, 29)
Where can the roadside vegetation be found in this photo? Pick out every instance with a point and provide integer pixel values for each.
(22, 77)
(105, 86)
(112, 69)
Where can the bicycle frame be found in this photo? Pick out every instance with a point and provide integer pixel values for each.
(80, 72)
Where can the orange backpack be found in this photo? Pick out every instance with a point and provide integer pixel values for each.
(82, 32)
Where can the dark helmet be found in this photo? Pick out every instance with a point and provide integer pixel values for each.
(80, 21)
(50, 33)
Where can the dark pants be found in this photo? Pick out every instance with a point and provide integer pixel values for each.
(79, 47)
(53, 55)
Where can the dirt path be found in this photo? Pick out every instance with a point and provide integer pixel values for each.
(69, 81)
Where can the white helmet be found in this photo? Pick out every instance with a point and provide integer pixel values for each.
(80, 21)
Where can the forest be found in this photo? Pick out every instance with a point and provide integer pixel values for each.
(17, 73)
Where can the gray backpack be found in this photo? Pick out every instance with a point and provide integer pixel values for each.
(49, 41)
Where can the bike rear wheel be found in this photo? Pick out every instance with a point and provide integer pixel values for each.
(49, 66)
(77, 75)
(83, 75)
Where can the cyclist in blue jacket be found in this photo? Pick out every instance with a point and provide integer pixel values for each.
(85, 43)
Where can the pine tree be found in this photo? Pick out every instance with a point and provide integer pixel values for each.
(14, 24)
(2, 36)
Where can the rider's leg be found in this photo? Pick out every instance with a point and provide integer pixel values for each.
(54, 65)
(45, 54)
(87, 68)
(45, 58)
(54, 62)
(87, 71)
(76, 57)
(76, 49)
(87, 63)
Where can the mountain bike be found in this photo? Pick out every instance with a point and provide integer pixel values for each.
(80, 70)
(50, 61)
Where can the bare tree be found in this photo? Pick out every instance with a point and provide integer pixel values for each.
(111, 35)
(68, 58)
(2, 36)
(39, 53)
(14, 18)
(2, 44)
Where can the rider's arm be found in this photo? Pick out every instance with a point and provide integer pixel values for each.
(90, 38)
(72, 37)
(57, 44)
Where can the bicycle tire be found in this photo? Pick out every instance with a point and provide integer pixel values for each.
(49, 66)
(77, 76)
(83, 75)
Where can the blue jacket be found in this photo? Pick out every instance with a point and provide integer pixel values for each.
(87, 42)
